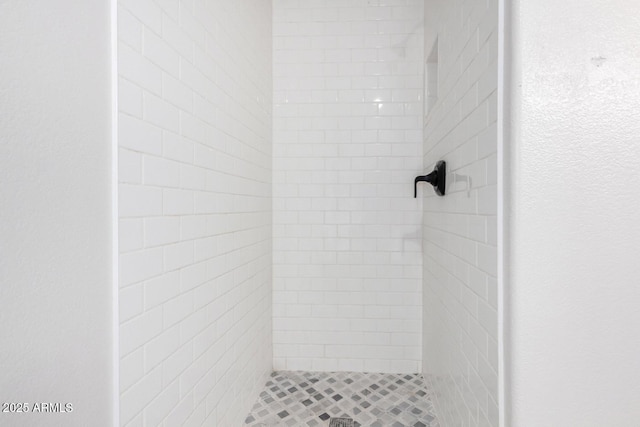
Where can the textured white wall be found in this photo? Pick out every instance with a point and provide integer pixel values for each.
(56, 284)
(460, 323)
(347, 145)
(195, 209)
(574, 340)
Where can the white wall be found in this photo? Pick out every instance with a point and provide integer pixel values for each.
(56, 302)
(195, 210)
(460, 323)
(347, 145)
(574, 339)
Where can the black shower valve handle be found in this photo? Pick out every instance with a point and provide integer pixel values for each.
(437, 178)
(431, 178)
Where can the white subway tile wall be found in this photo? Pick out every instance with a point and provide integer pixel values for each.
(195, 137)
(460, 237)
(348, 79)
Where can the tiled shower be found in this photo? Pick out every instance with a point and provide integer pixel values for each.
(207, 213)
(267, 152)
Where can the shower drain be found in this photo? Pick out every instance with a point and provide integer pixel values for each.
(341, 422)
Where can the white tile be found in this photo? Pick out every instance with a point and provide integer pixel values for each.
(139, 395)
(488, 318)
(159, 348)
(129, 98)
(160, 53)
(177, 148)
(130, 235)
(146, 11)
(159, 408)
(161, 113)
(176, 309)
(177, 202)
(131, 302)
(131, 369)
(176, 363)
(178, 255)
(129, 166)
(176, 37)
(159, 172)
(129, 29)
(171, 144)
(136, 332)
(140, 265)
(161, 231)
(161, 289)
(460, 129)
(138, 135)
(177, 93)
(138, 69)
(180, 412)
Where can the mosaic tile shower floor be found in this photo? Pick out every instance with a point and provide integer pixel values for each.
(299, 399)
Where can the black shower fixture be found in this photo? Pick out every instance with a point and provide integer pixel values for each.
(437, 178)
